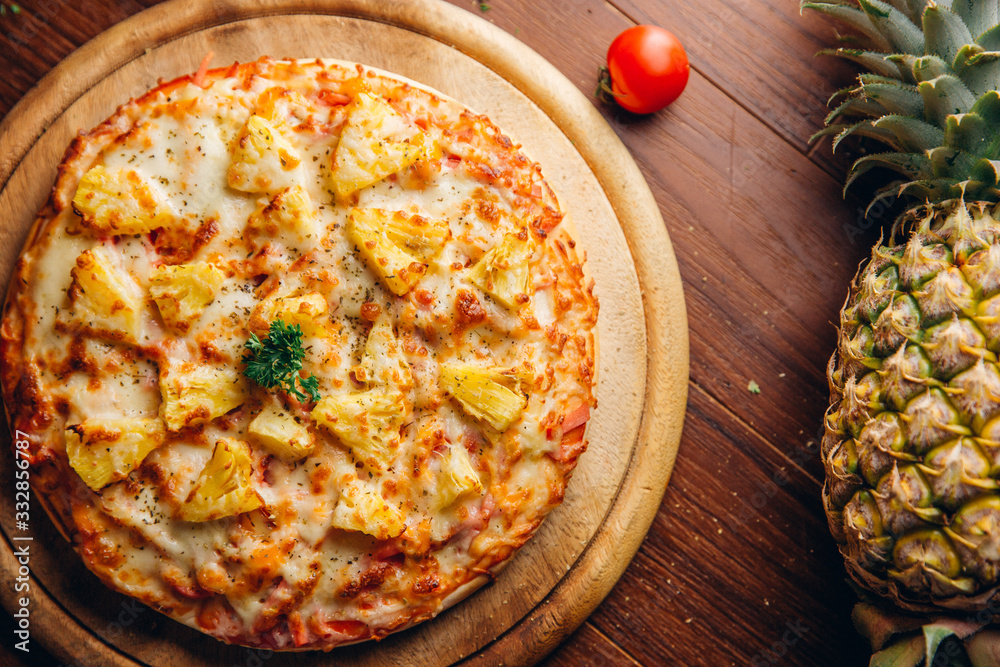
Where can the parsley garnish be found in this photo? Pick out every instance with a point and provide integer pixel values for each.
(275, 362)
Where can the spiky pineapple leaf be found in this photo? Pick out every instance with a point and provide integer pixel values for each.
(840, 95)
(945, 32)
(977, 16)
(872, 77)
(948, 160)
(968, 132)
(926, 68)
(906, 653)
(912, 134)
(987, 172)
(896, 97)
(990, 40)
(890, 191)
(867, 128)
(855, 106)
(983, 72)
(912, 8)
(904, 36)
(834, 130)
(914, 167)
(935, 189)
(978, 69)
(855, 18)
(988, 107)
(905, 62)
(945, 95)
(873, 60)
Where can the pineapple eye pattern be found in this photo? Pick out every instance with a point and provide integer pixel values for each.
(916, 390)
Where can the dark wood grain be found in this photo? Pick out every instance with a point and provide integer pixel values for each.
(738, 566)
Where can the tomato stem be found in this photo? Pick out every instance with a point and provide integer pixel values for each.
(604, 92)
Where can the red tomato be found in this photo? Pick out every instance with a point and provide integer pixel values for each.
(648, 68)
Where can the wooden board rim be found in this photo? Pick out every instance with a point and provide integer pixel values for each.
(617, 539)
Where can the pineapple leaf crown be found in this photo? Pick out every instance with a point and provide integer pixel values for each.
(930, 94)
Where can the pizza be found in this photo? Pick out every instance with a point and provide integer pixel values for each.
(302, 352)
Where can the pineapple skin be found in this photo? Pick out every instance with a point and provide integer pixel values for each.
(912, 437)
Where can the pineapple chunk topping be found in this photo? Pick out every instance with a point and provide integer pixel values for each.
(106, 300)
(290, 209)
(282, 434)
(182, 292)
(196, 393)
(263, 158)
(119, 202)
(457, 478)
(375, 143)
(383, 362)
(103, 451)
(309, 311)
(362, 508)
(224, 487)
(503, 271)
(485, 394)
(396, 246)
(367, 422)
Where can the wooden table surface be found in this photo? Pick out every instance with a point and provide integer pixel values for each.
(739, 567)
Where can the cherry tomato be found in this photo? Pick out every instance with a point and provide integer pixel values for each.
(648, 68)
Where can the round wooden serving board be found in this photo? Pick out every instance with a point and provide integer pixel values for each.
(581, 550)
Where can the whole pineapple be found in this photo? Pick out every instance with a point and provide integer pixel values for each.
(912, 443)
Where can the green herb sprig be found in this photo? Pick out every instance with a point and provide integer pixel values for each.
(275, 362)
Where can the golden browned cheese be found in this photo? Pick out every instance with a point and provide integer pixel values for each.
(444, 312)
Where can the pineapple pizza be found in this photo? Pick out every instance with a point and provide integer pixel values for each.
(301, 350)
